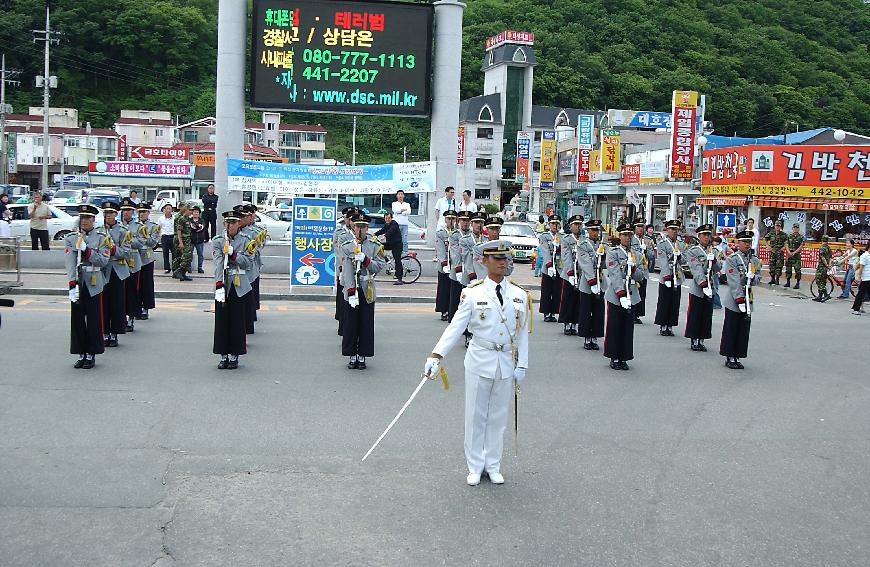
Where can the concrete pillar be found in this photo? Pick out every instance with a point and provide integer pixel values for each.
(230, 95)
(445, 102)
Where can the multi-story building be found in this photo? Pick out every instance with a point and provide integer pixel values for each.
(153, 128)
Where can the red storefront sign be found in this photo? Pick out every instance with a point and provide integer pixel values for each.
(630, 173)
(460, 146)
(150, 153)
(584, 162)
(524, 38)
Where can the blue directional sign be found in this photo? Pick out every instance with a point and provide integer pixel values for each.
(312, 261)
(726, 220)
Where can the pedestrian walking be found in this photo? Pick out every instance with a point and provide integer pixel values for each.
(392, 239)
(115, 273)
(209, 213)
(551, 266)
(442, 256)
(862, 273)
(498, 313)
(183, 250)
(150, 233)
(793, 246)
(822, 267)
(39, 214)
(231, 261)
(668, 252)
(624, 274)
(849, 263)
(86, 254)
(705, 271)
(593, 284)
(166, 231)
(742, 268)
(402, 216)
(198, 238)
(777, 241)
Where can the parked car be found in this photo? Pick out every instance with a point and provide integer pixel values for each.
(99, 196)
(72, 209)
(523, 240)
(164, 197)
(278, 201)
(69, 196)
(285, 215)
(15, 192)
(275, 229)
(59, 225)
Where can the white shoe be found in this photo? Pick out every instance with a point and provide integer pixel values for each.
(496, 477)
(473, 479)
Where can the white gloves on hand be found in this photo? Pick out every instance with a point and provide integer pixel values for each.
(551, 271)
(625, 302)
(708, 291)
(631, 260)
(572, 280)
(596, 289)
(742, 307)
(677, 253)
(669, 283)
(446, 269)
(220, 295)
(230, 250)
(359, 256)
(432, 365)
(519, 375)
(81, 245)
(353, 300)
(74, 294)
(710, 256)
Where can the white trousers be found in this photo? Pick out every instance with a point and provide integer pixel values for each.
(486, 412)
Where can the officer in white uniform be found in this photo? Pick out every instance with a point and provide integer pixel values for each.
(498, 313)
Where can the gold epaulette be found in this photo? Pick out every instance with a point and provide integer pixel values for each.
(518, 285)
(474, 284)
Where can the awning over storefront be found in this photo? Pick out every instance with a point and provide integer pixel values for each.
(856, 205)
(715, 201)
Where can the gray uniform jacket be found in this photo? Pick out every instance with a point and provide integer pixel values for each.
(700, 266)
(364, 283)
(617, 270)
(650, 242)
(137, 244)
(341, 235)
(467, 244)
(570, 262)
(736, 267)
(442, 247)
(591, 266)
(146, 254)
(236, 266)
(665, 260)
(638, 246)
(90, 272)
(551, 251)
(253, 271)
(121, 238)
(455, 254)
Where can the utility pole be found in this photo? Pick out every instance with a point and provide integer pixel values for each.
(353, 143)
(4, 78)
(47, 82)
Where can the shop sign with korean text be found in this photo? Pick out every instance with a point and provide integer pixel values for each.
(584, 164)
(312, 259)
(610, 142)
(460, 146)
(586, 131)
(12, 152)
(840, 172)
(524, 151)
(412, 177)
(638, 119)
(566, 165)
(522, 38)
(548, 158)
(684, 114)
(141, 169)
(150, 153)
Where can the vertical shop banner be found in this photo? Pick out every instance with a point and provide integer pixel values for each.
(584, 164)
(312, 260)
(524, 150)
(610, 142)
(684, 112)
(12, 153)
(122, 148)
(548, 158)
(460, 146)
(586, 131)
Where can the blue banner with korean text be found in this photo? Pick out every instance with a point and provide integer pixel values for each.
(312, 261)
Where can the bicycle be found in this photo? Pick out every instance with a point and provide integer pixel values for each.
(411, 268)
(833, 282)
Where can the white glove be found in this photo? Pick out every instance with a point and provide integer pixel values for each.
(711, 256)
(519, 375)
(432, 365)
(459, 274)
(708, 291)
(572, 280)
(551, 271)
(625, 302)
(596, 289)
(677, 253)
(230, 250)
(359, 256)
(631, 260)
(353, 300)
(742, 307)
(74, 294)
(220, 295)
(446, 269)
(669, 283)
(82, 245)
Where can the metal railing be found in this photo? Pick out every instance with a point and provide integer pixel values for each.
(10, 266)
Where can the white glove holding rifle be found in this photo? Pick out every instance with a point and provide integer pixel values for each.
(74, 294)
(625, 302)
(220, 295)
(353, 300)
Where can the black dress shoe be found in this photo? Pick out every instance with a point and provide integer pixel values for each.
(738, 365)
(353, 364)
(166, 271)
(669, 332)
(566, 331)
(637, 321)
(663, 332)
(701, 347)
(398, 282)
(588, 346)
(200, 271)
(623, 365)
(139, 317)
(572, 331)
(594, 346)
(732, 364)
(79, 363)
(112, 342)
(695, 347)
(88, 363)
(130, 328)
(444, 316)
(233, 364)
(361, 365)
(615, 365)
(222, 365)
(105, 341)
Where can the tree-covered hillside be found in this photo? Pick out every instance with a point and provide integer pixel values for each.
(761, 63)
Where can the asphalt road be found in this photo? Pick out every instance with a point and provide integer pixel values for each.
(156, 457)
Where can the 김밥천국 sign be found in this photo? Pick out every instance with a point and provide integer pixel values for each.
(339, 56)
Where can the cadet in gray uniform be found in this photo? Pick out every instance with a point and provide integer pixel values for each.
(640, 245)
(705, 268)
(134, 262)
(623, 274)
(363, 259)
(115, 272)
(551, 261)
(743, 269)
(150, 233)
(467, 244)
(493, 226)
(668, 260)
(87, 253)
(457, 286)
(246, 219)
(343, 233)
(442, 256)
(592, 283)
(569, 300)
(231, 262)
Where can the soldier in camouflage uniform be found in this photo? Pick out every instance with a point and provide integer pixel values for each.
(183, 255)
(776, 241)
(822, 271)
(793, 256)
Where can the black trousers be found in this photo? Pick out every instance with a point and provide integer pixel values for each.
(619, 339)
(210, 218)
(551, 292)
(340, 306)
(640, 308)
(569, 303)
(38, 237)
(455, 294)
(442, 293)
(86, 324)
(113, 305)
(167, 245)
(229, 325)
(250, 312)
(359, 330)
(668, 306)
(146, 286)
(131, 294)
(699, 318)
(256, 288)
(863, 291)
(592, 315)
(735, 334)
(397, 260)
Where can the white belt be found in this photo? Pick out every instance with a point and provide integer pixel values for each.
(489, 345)
(92, 268)
(237, 271)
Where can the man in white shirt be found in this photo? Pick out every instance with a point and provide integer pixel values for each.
(862, 271)
(445, 203)
(402, 215)
(467, 204)
(750, 226)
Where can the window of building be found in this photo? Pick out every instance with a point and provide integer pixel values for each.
(291, 155)
(72, 142)
(536, 165)
(537, 135)
(313, 137)
(520, 55)
(312, 154)
(37, 142)
(485, 114)
(191, 136)
(481, 163)
(270, 143)
(292, 139)
(105, 146)
(484, 133)
(270, 125)
(37, 159)
(158, 132)
(813, 224)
